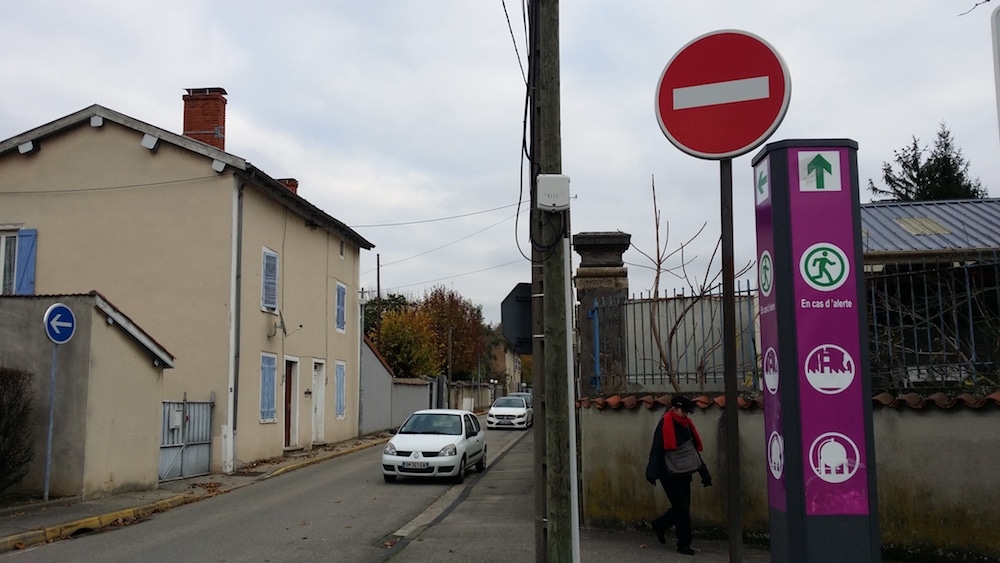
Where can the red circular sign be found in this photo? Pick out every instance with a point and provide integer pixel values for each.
(722, 95)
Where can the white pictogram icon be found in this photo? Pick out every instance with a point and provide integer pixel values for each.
(776, 455)
(830, 369)
(834, 457)
(770, 363)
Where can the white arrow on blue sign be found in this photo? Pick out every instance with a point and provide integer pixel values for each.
(60, 324)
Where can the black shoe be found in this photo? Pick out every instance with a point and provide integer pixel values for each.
(686, 550)
(661, 531)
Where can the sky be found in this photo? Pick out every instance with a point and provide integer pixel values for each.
(404, 119)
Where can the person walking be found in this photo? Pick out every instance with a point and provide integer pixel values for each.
(673, 458)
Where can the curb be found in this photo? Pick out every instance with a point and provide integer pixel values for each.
(91, 523)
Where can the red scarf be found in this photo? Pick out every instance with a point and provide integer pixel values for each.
(669, 439)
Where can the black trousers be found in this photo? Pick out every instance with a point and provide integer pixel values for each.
(678, 489)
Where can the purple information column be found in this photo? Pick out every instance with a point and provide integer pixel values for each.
(817, 394)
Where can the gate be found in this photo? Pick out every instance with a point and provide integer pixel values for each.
(185, 439)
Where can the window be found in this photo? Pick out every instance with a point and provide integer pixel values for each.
(268, 394)
(341, 307)
(269, 281)
(341, 389)
(17, 262)
(342, 248)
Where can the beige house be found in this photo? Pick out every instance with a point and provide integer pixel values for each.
(254, 289)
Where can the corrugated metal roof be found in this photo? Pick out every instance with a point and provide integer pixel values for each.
(930, 226)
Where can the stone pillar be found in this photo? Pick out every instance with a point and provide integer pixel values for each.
(601, 278)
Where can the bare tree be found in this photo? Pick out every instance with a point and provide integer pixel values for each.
(700, 289)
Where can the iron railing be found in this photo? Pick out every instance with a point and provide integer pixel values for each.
(932, 324)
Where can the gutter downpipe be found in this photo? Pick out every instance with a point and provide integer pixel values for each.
(229, 431)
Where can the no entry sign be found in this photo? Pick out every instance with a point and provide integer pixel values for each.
(722, 95)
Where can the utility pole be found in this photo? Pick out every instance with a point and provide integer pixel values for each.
(554, 482)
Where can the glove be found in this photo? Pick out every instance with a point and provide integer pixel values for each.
(706, 477)
(651, 474)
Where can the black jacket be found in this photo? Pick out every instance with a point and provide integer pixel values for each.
(656, 468)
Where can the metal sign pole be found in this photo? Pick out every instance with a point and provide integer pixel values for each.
(729, 362)
(52, 404)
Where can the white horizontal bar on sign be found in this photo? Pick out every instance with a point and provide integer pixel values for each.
(728, 92)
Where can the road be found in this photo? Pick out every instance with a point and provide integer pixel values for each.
(338, 510)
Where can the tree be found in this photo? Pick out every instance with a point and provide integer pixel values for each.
(944, 175)
(377, 307)
(15, 426)
(408, 343)
(458, 324)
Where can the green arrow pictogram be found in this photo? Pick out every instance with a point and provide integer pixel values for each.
(761, 182)
(818, 164)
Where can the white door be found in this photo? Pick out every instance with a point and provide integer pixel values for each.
(319, 402)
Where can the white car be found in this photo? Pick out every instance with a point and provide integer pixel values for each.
(510, 412)
(435, 443)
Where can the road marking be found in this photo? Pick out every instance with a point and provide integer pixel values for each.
(728, 92)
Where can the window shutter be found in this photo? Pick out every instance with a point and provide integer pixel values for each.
(268, 368)
(341, 389)
(269, 290)
(24, 283)
(341, 307)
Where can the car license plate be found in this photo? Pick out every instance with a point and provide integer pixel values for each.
(506, 422)
(415, 464)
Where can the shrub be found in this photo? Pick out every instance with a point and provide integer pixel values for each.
(15, 426)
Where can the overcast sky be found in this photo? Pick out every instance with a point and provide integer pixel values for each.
(403, 118)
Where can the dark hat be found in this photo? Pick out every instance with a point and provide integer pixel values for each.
(687, 405)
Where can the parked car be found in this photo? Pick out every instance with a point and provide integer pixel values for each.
(527, 396)
(435, 443)
(510, 412)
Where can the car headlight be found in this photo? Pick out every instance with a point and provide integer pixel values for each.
(389, 449)
(448, 451)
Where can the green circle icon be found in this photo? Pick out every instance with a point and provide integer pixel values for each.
(824, 266)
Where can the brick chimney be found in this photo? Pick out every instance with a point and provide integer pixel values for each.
(291, 183)
(205, 116)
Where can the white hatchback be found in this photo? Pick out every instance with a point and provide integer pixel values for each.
(510, 412)
(435, 443)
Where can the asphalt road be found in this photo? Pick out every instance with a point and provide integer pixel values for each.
(338, 510)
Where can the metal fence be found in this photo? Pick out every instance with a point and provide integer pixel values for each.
(663, 344)
(932, 325)
(935, 324)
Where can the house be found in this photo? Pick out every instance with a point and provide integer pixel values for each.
(104, 379)
(252, 287)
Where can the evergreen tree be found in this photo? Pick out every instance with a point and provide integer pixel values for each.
(943, 175)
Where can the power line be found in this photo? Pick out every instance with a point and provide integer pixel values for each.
(405, 223)
(504, 220)
(518, 261)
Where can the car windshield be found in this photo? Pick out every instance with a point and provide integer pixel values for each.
(432, 423)
(509, 402)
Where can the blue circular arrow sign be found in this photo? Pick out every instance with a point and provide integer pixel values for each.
(60, 324)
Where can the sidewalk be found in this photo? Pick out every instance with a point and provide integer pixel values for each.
(494, 521)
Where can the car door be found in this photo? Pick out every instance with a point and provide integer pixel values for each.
(475, 438)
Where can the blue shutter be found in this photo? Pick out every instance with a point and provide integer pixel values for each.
(341, 307)
(24, 267)
(268, 368)
(341, 389)
(269, 277)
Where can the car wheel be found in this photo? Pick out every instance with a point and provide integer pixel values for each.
(389, 478)
(460, 476)
(481, 464)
